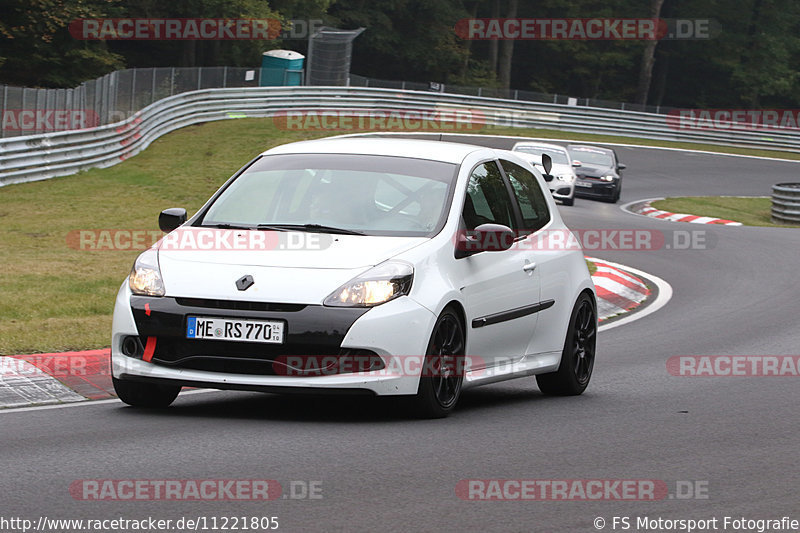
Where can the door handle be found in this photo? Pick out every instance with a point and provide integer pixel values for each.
(529, 267)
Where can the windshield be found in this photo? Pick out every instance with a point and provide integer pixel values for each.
(591, 157)
(373, 195)
(559, 157)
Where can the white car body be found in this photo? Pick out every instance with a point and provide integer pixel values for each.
(480, 285)
(563, 185)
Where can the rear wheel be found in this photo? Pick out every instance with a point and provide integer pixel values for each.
(577, 358)
(442, 375)
(140, 394)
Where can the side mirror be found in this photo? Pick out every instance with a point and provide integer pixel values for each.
(576, 163)
(171, 218)
(547, 164)
(621, 166)
(484, 238)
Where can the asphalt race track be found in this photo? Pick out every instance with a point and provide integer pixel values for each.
(733, 438)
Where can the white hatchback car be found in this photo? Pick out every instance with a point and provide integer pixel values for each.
(563, 185)
(380, 266)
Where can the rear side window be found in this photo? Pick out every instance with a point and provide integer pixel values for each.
(530, 197)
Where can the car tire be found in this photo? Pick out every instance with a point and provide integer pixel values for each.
(577, 358)
(568, 201)
(151, 395)
(617, 194)
(442, 375)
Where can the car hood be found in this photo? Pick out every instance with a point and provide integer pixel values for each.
(590, 170)
(561, 170)
(287, 267)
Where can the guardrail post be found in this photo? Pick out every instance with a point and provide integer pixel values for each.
(153, 89)
(172, 82)
(133, 90)
(5, 106)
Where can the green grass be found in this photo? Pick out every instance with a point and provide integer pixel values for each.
(55, 297)
(748, 211)
(592, 267)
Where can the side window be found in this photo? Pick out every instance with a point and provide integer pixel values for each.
(531, 199)
(487, 200)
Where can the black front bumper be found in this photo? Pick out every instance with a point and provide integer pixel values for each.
(310, 330)
(598, 189)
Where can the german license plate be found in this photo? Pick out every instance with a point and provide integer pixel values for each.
(234, 329)
(583, 184)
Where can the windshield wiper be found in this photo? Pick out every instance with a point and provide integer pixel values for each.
(317, 228)
(225, 225)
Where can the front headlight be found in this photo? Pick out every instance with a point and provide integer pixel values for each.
(568, 178)
(607, 178)
(377, 285)
(145, 278)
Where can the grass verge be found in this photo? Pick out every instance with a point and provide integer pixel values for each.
(749, 211)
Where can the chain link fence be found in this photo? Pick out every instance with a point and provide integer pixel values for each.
(109, 99)
(507, 94)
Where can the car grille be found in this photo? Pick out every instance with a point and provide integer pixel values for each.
(239, 305)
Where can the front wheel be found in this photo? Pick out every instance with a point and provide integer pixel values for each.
(568, 201)
(617, 194)
(577, 358)
(140, 394)
(442, 374)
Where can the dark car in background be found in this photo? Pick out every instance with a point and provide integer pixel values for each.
(599, 174)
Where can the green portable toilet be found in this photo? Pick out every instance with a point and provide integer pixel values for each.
(281, 67)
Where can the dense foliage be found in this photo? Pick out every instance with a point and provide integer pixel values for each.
(750, 60)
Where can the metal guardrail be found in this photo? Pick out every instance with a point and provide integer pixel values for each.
(37, 157)
(786, 203)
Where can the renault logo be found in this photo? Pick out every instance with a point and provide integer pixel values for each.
(245, 282)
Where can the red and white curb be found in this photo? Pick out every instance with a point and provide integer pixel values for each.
(59, 379)
(618, 291)
(644, 208)
(55, 378)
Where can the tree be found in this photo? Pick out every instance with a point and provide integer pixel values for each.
(648, 57)
(37, 49)
(507, 50)
(404, 39)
